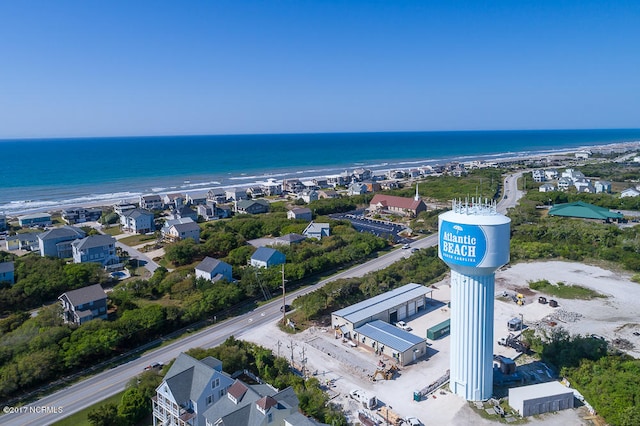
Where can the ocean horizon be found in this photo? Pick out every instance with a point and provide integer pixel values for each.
(43, 174)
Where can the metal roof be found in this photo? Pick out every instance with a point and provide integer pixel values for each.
(583, 210)
(371, 307)
(539, 391)
(389, 335)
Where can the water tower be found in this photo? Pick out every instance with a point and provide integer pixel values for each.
(474, 242)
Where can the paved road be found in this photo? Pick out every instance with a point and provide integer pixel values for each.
(108, 383)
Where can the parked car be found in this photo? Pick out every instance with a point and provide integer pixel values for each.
(406, 246)
(413, 421)
(403, 325)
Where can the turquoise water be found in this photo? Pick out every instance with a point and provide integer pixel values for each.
(50, 172)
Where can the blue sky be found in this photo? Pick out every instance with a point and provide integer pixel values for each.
(109, 68)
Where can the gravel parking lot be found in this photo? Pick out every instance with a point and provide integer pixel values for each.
(344, 368)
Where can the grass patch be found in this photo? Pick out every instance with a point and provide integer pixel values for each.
(112, 230)
(563, 291)
(80, 418)
(137, 239)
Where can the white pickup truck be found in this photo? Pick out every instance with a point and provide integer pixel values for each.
(367, 401)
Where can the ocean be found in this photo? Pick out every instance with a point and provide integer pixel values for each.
(38, 174)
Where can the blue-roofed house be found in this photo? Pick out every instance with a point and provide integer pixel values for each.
(386, 339)
(213, 269)
(265, 257)
(7, 272)
(56, 242)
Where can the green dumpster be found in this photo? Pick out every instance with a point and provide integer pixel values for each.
(439, 330)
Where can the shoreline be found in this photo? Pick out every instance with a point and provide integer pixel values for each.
(110, 199)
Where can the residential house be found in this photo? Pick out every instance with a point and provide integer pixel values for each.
(217, 195)
(403, 206)
(395, 174)
(602, 186)
(629, 192)
(257, 405)
(182, 231)
(573, 174)
(236, 194)
(97, 248)
(184, 212)
(27, 241)
(300, 213)
(539, 175)
(81, 215)
(308, 195)
(289, 239)
(213, 270)
(56, 242)
(585, 154)
(123, 207)
(35, 219)
(342, 179)
(328, 193)
(84, 304)
(356, 188)
(551, 174)
(255, 191)
(564, 183)
(389, 184)
(320, 182)
(7, 272)
(189, 388)
(224, 211)
(151, 202)
(316, 230)
(3, 222)
(546, 187)
(175, 200)
(414, 173)
(361, 174)
(372, 186)
(138, 221)
(271, 187)
(207, 211)
(196, 198)
(266, 257)
(252, 206)
(584, 185)
(293, 186)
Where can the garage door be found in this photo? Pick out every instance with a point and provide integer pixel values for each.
(420, 304)
(402, 312)
(412, 308)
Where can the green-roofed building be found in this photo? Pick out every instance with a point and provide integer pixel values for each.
(584, 210)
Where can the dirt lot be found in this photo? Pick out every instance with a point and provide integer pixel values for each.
(344, 368)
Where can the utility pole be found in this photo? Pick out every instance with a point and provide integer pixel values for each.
(279, 344)
(284, 301)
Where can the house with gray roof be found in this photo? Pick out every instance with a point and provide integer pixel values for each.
(217, 195)
(139, 221)
(183, 231)
(300, 213)
(80, 215)
(151, 202)
(175, 200)
(7, 272)
(84, 304)
(183, 213)
(266, 257)
(27, 241)
(35, 219)
(213, 269)
(236, 194)
(196, 198)
(189, 389)
(97, 248)
(3, 222)
(252, 206)
(317, 230)
(256, 405)
(56, 242)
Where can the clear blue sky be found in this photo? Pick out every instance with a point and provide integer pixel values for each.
(108, 68)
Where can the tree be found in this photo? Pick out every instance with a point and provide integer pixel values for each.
(182, 252)
(133, 406)
(104, 415)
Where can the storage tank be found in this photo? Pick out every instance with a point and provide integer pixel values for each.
(473, 242)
